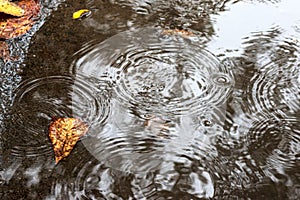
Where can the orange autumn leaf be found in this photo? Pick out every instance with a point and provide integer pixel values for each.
(177, 32)
(15, 26)
(64, 134)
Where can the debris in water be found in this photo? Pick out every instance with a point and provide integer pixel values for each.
(81, 13)
(12, 26)
(182, 33)
(64, 134)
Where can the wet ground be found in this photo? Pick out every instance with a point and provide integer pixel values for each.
(184, 99)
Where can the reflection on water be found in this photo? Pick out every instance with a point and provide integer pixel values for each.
(214, 115)
(157, 72)
(166, 90)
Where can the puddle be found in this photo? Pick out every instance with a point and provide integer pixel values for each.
(184, 99)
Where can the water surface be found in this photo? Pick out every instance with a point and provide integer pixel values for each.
(209, 115)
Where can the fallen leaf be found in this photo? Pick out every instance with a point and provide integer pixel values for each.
(80, 13)
(11, 8)
(12, 27)
(183, 33)
(64, 134)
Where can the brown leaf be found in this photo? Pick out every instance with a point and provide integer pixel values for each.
(12, 27)
(64, 134)
(182, 33)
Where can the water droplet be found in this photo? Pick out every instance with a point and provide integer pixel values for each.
(207, 123)
(221, 80)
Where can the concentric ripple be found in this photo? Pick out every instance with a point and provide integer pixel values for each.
(157, 72)
(40, 100)
(274, 89)
(167, 89)
(273, 146)
(171, 80)
(135, 143)
(274, 86)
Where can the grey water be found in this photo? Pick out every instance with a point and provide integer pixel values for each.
(184, 100)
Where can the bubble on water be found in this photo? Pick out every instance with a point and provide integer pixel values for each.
(221, 80)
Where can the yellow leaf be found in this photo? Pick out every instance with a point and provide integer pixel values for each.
(11, 8)
(78, 14)
(64, 134)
